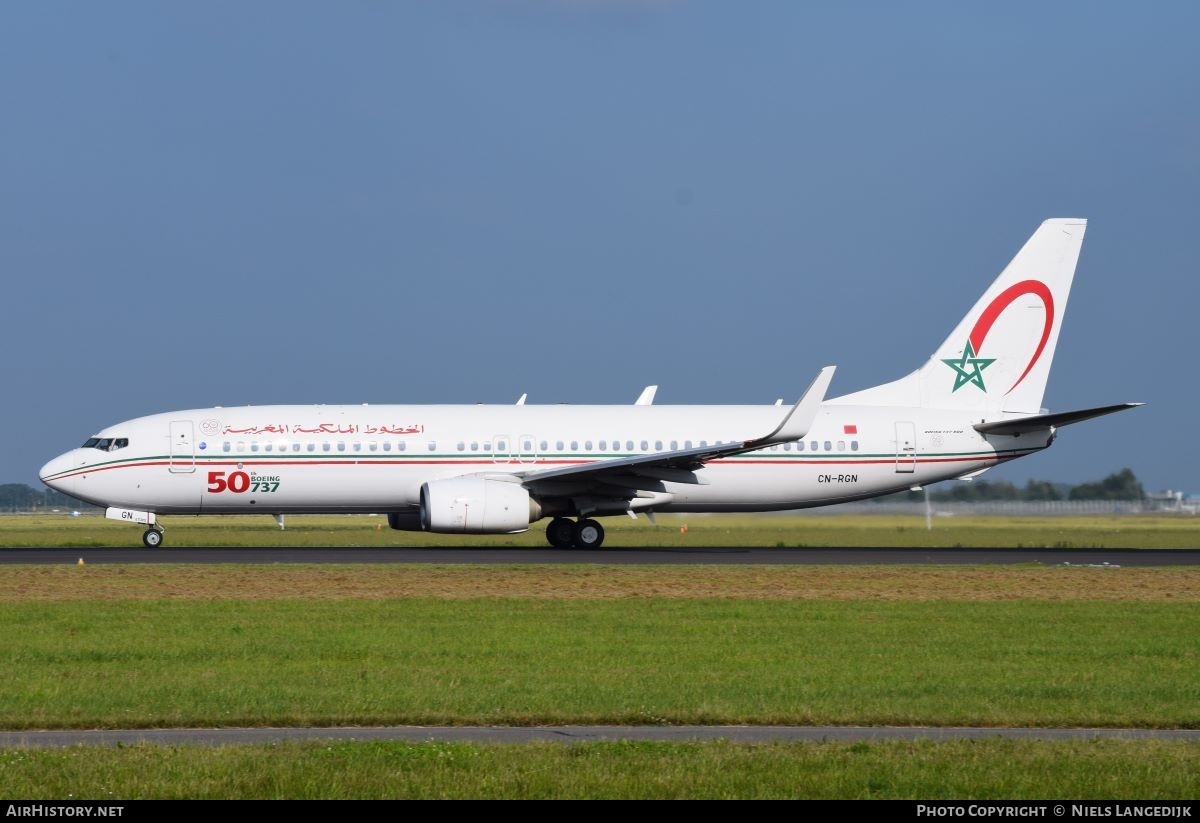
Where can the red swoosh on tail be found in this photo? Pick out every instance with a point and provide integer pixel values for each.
(984, 324)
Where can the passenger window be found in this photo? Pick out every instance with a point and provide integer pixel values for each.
(487, 445)
(267, 447)
(341, 447)
(527, 446)
(645, 446)
(658, 445)
(674, 445)
(253, 447)
(841, 445)
(312, 447)
(325, 447)
(828, 446)
(225, 446)
(787, 447)
(433, 445)
(704, 444)
(474, 445)
(357, 447)
(387, 446)
(501, 446)
(401, 446)
(587, 445)
(375, 446)
(813, 445)
(853, 445)
(295, 447)
(574, 445)
(687, 444)
(800, 446)
(462, 447)
(543, 447)
(241, 446)
(558, 445)
(603, 445)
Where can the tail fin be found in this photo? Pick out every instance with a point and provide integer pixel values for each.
(998, 357)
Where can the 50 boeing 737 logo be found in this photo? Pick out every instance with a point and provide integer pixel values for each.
(240, 482)
(497, 469)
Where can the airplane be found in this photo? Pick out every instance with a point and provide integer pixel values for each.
(496, 469)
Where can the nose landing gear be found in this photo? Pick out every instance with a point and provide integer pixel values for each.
(152, 537)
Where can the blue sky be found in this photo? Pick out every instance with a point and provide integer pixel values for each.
(289, 202)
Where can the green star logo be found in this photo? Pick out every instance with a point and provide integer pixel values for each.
(969, 369)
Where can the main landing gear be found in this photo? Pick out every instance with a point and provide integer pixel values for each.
(585, 534)
(152, 538)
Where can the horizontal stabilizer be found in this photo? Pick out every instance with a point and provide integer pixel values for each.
(1045, 421)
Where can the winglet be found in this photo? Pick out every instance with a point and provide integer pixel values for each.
(646, 398)
(801, 417)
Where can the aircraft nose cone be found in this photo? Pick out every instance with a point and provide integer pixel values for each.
(50, 473)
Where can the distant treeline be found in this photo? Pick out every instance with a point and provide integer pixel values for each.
(1122, 485)
(17, 497)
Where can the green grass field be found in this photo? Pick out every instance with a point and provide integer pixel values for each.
(1132, 531)
(1005, 769)
(521, 662)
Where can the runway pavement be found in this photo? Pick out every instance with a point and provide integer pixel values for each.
(569, 734)
(623, 556)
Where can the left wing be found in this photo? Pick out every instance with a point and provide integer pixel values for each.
(679, 466)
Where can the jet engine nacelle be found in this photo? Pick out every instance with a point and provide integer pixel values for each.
(476, 505)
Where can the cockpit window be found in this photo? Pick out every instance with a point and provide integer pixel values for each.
(106, 444)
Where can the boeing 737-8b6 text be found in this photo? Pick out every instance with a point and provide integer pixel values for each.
(495, 469)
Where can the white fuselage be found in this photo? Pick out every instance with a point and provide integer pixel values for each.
(975, 402)
(328, 459)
